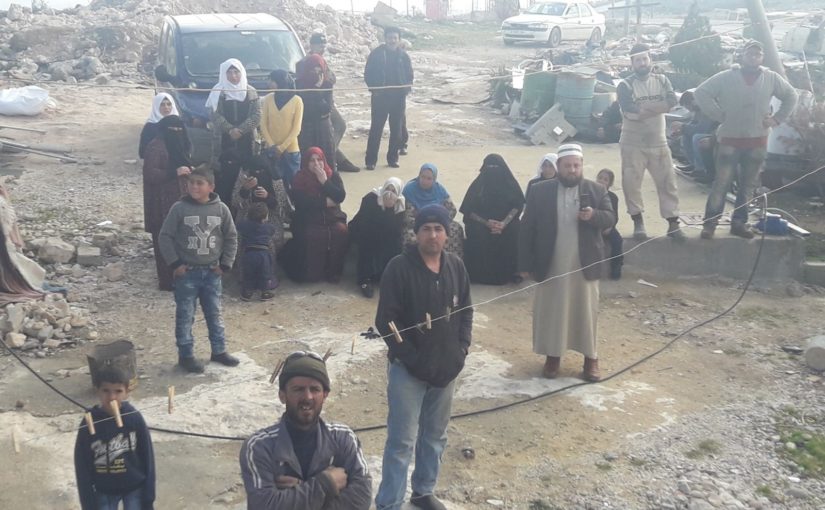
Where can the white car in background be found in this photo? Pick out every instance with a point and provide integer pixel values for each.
(554, 22)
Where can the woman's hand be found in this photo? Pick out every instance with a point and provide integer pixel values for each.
(183, 170)
(331, 202)
(235, 134)
(260, 193)
(250, 182)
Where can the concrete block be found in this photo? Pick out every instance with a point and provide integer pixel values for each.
(814, 273)
(15, 340)
(89, 256)
(56, 250)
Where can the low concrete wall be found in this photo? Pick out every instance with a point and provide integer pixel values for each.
(782, 257)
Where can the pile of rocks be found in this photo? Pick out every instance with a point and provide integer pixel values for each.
(39, 328)
(118, 38)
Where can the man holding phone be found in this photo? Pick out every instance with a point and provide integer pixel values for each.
(561, 244)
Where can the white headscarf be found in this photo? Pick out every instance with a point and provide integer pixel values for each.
(155, 116)
(230, 90)
(552, 158)
(395, 186)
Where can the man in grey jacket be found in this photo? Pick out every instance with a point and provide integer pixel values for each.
(303, 462)
(740, 99)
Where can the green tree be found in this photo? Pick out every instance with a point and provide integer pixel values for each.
(699, 54)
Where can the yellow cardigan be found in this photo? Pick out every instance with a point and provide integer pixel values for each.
(280, 128)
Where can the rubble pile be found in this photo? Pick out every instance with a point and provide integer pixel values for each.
(118, 38)
(39, 328)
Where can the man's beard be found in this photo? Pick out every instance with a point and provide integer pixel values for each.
(642, 71)
(570, 181)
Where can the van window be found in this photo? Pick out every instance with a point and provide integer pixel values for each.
(260, 51)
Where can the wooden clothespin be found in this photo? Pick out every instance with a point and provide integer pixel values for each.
(352, 349)
(327, 354)
(116, 409)
(171, 393)
(276, 372)
(395, 333)
(429, 321)
(449, 311)
(90, 424)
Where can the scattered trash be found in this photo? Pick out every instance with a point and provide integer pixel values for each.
(793, 349)
(468, 452)
(646, 283)
(30, 100)
(718, 351)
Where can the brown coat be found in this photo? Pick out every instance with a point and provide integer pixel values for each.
(161, 186)
(537, 237)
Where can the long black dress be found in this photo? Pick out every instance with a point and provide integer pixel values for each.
(494, 195)
(378, 233)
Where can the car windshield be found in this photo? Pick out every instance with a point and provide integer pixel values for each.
(260, 51)
(551, 9)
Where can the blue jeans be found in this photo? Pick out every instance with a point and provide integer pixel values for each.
(198, 283)
(743, 165)
(131, 500)
(288, 164)
(418, 417)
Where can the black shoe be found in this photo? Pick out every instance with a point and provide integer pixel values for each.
(367, 290)
(348, 167)
(191, 365)
(246, 295)
(370, 167)
(267, 295)
(403, 152)
(685, 169)
(427, 502)
(225, 358)
(393, 165)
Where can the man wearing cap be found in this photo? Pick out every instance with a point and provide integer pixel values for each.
(644, 99)
(424, 280)
(303, 462)
(318, 46)
(560, 239)
(740, 99)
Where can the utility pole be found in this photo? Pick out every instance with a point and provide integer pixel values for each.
(756, 13)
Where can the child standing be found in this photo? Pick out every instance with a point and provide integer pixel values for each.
(199, 242)
(606, 177)
(257, 265)
(115, 464)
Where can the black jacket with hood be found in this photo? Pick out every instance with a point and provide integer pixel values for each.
(409, 290)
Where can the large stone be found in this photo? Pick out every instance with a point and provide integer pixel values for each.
(88, 67)
(114, 272)
(815, 353)
(39, 6)
(56, 250)
(60, 71)
(16, 315)
(16, 12)
(89, 256)
(104, 239)
(15, 340)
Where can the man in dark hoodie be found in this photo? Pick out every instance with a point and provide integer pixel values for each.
(423, 281)
(115, 463)
(388, 66)
(199, 242)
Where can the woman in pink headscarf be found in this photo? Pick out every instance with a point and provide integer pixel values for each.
(316, 93)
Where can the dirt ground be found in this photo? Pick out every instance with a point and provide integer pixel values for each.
(548, 453)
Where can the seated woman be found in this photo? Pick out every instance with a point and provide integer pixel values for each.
(545, 171)
(258, 181)
(20, 277)
(491, 210)
(378, 230)
(162, 106)
(425, 190)
(318, 246)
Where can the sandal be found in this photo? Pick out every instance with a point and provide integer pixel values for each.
(267, 295)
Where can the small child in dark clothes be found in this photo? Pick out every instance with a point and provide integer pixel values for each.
(116, 463)
(606, 177)
(256, 258)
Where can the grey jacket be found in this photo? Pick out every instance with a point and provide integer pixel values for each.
(199, 234)
(537, 234)
(740, 108)
(268, 454)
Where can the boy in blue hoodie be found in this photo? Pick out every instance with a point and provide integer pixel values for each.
(199, 242)
(115, 464)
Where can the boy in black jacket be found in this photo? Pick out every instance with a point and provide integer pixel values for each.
(613, 238)
(115, 464)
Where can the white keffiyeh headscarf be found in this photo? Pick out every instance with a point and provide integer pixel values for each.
(230, 90)
(395, 186)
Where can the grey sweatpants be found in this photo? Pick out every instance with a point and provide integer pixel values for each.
(657, 161)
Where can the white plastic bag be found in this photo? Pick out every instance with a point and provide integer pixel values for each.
(29, 100)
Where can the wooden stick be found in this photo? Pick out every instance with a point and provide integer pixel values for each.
(116, 409)
(395, 332)
(15, 439)
(327, 354)
(171, 392)
(23, 129)
(90, 424)
(276, 372)
(352, 349)
(449, 311)
(429, 321)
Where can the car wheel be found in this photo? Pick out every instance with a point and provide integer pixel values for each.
(555, 37)
(596, 36)
(509, 42)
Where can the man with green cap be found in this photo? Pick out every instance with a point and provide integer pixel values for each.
(302, 462)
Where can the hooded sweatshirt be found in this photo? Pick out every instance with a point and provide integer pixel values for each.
(198, 234)
(114, 460)
(409, 290)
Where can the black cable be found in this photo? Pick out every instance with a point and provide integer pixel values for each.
(493, 409)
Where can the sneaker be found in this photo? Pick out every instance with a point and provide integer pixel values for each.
(674, 231)
(742, 230)
(225, 358)
(267, 295)
(367, 290)
(403, 152)
(639, 232)
(246, 295)
(708, 231)
(191, 365)
(370, 167)
(394, 165)
(426, 502)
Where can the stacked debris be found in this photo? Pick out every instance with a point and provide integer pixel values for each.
(39, 328)
(118, 38)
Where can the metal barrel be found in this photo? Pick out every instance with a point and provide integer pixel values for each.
(575, 94)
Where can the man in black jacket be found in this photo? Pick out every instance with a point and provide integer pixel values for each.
(388, 66)
(423, 281)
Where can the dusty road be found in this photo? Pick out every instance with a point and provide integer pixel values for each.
(711, 412)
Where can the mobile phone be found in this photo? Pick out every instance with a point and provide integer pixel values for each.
(585, 201)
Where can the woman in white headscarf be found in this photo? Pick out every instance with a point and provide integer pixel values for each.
(378, 229)
(162, 105)
(235, 113)
(546, 170)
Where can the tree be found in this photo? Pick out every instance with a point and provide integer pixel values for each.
(699, 54)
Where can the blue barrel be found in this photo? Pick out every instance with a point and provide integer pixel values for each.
(574, 92)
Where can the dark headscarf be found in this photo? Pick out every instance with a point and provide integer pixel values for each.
(286, 86)
(495, 192)
(260, 168)
(305, 181)
(178, 146)
(307, 78)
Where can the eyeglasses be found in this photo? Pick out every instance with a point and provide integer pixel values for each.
(303, 354)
